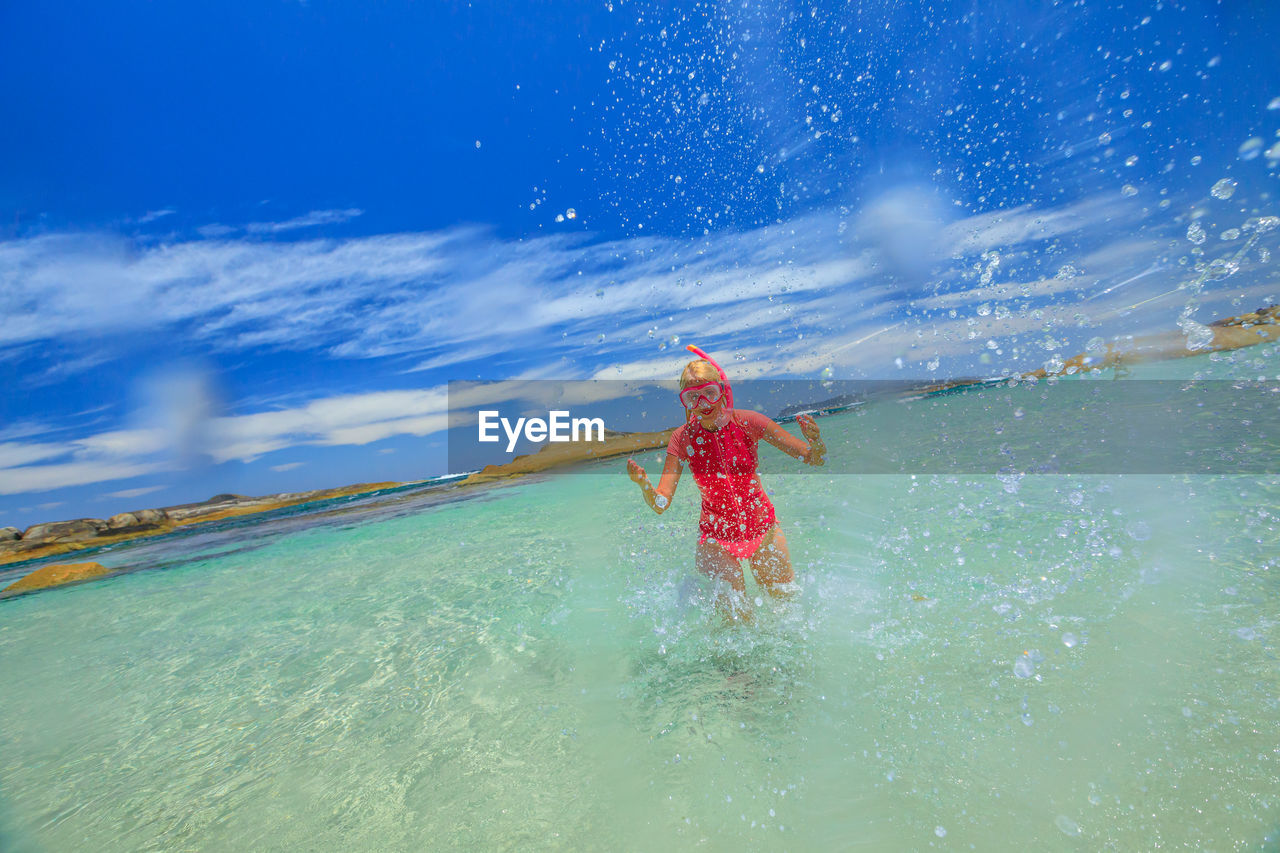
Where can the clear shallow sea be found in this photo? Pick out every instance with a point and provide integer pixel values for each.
(1062, 662)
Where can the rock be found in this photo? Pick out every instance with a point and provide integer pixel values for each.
(56, 575)
(122, 519)
(149, 516)
(9, 534)
(17, 546)
(569, 453)
(65, 531)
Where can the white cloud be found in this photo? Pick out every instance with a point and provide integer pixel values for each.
(133, 493)
(461, 296)
(348, 419)
(287, 466)
(14, 453)
(315, 217)
(153, 215)
(43, 478)
(352, 419)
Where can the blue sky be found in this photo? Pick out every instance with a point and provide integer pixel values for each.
(244, 246)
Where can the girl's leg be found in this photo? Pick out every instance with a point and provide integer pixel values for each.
(771, 565)
(723, 569)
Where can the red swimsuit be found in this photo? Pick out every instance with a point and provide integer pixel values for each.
(735, 510)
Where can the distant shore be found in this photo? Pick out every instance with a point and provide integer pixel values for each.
(64, 537)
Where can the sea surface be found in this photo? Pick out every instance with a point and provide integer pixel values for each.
(975, 661)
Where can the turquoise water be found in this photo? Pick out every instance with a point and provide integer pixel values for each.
(1057, 662)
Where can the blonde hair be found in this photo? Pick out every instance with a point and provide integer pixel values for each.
(698, 371)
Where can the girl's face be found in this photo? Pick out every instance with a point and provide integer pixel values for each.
(704, 400)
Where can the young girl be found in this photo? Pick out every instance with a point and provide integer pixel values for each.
(719, 444)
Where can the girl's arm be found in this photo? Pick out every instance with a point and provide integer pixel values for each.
(660, 498)
(812, 452)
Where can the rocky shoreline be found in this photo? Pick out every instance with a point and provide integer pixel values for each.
(570, 453)
(61, 537)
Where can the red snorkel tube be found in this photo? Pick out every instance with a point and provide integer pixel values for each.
(724, 380)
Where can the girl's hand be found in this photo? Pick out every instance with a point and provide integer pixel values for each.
(636, 473)
(808, 427)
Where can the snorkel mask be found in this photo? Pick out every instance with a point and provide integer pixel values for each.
(724, 380)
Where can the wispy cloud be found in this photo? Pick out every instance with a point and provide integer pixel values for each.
(43, 478)
(348, 419)
(287, 466)
(353, 419)
(461, 296)
(218, 230)
(309, 220)
(24, 429)
(133, 493)
(458, 295)
(153, 215)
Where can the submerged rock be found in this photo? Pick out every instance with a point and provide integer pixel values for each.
(56, 575)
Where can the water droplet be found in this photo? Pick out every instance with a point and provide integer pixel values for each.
(1230, 234)
(1224, 189)
(1139, 531)
(1104, 139)
(559, 217)
(1070, 640)
(1274, 105)
(940, 831)
(1195, 233)
(984, 309)
(1067, 825)
(1199, 336)
(1128, 191)
(1023, 667)
(477, 143)
(571, 214)
(1131, 160)
(1245, 633)
(1250, 148)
